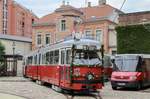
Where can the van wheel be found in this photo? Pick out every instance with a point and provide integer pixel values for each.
(114, 87)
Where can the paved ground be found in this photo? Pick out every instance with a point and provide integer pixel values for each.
(7, 96)
(30, 90)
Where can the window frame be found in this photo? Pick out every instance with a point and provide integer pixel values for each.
(46, 38)
(88, 35)
(37, 39)
(101, 37)
(63, 26)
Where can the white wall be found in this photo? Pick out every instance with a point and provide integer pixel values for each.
(21, 48)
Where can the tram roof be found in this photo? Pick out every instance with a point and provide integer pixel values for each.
(142, 55)
(67, 44)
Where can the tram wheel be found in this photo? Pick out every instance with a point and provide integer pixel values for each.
(56, 88)
(41, 82)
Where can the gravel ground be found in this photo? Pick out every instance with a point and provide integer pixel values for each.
(30, 90)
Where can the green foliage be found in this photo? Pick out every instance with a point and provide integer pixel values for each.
(133, 39)
(2, 50)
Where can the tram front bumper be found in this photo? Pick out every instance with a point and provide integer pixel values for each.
(87, 84)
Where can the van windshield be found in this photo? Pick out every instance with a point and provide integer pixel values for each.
(126, 63)
(87, 58)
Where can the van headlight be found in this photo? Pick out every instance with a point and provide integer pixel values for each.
(133, 77)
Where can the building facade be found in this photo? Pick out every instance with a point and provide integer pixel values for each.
(94, 22)
(134, 18)
(16, 45)
(16, 30)
(15, 19)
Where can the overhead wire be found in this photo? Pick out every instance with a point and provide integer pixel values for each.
(120, 8)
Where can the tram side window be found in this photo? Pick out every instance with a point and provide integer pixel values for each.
(30, 60)
(47, 58)
(43, 58)
(51, 57)
(39, 62)
(35, 59)
(62, 57)
(56, 57)
(68, 57)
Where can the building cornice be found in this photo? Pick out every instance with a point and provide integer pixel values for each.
(93, 20)
(15, 38)
(43, 24)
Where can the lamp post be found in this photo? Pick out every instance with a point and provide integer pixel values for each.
(13, 48)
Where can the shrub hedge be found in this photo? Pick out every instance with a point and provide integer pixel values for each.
(133, 39)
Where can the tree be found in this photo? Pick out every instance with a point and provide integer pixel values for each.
(2, 63)
(2, 50)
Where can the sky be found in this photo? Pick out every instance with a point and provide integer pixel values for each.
(44, 7)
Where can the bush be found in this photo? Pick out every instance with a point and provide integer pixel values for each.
(2, 50)
(133, 39)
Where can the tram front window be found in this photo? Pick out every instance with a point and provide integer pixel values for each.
(89, 58)
(126, 64)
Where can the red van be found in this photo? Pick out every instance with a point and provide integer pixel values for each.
(131, 70)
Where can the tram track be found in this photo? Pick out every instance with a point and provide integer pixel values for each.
(145, 91)
(91, 95)
(73, 96)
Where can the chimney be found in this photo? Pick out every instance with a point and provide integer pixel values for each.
(89, 4)
(63, 2)
(68, 3)
(101, 2)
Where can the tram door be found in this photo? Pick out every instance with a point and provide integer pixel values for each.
(38, 67)
(63, 68)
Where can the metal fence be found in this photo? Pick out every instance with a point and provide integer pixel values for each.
(8, 66)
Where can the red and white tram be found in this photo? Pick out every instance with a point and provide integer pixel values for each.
(71, 65)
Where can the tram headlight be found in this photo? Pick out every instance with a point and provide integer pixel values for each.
(90, 77)
(133, 77)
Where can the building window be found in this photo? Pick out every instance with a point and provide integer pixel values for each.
(88, 34)
(32, 21)
(47, 39)
(99, 35)
(39, 39)
(5, 16)
(63, 25)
